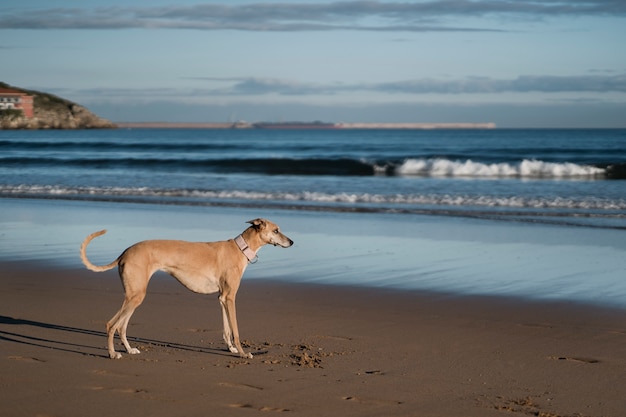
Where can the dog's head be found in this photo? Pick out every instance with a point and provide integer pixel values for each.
(270, 233)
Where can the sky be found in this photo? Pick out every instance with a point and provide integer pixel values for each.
(517, 63)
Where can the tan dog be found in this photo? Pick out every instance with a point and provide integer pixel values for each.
(202, 267)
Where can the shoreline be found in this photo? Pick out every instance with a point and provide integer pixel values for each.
(319, 350)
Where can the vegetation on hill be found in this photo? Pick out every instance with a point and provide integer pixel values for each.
(51, 112)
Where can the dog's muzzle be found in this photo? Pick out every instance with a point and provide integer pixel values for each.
(284, 245)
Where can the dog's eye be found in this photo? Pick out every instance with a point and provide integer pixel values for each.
(276, 231)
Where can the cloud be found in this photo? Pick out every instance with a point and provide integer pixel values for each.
(577, 89)
(262, 86)
(312, 16)
(473, 85)
(522, 84)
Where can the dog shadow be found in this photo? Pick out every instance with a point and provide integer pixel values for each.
(23, 330)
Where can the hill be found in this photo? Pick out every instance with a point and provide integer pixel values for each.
(51, 112)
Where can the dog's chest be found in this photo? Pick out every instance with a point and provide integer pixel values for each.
(195, 281)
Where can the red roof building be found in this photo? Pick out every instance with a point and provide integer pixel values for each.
(16, 100)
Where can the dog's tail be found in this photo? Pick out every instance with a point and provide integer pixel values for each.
(83, 254)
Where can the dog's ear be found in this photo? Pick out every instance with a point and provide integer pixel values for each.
(257, 223)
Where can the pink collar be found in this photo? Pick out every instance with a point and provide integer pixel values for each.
(245, 249)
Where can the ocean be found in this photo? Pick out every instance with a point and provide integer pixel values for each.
(556, 176)
(539, 213)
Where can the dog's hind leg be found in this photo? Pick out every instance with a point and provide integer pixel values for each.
(135, 292)
(132, 305)
(119, 323)
(135, 277)
(112, 327)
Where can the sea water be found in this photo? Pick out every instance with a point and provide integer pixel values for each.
(566, 176)
(538, 213)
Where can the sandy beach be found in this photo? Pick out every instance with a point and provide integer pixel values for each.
(319, 349)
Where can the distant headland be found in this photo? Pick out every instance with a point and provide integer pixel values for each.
(305, 125)
(28, 109)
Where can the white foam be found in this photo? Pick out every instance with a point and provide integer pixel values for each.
(438, 167)
(385, 200)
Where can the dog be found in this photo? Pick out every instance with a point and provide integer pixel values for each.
(202, 267)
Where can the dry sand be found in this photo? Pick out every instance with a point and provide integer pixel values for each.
(319, 351)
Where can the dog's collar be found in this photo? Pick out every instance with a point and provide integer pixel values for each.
(245, 249)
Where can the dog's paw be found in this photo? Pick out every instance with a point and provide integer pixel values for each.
(115, 355)
(233, 349)
(246, 355)
(134, 351)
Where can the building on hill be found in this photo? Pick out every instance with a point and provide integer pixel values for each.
(16, 100)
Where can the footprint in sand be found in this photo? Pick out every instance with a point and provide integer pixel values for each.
(575, 359)
(104, 372)
(120, 390)
(332, 337)
(371, 401)
(26, 359)
(241, 386)
(194, 330)
(263, 408)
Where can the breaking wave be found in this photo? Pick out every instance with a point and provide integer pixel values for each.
(524, 169)
(340, 167)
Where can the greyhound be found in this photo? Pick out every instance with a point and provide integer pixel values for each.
(202, 267)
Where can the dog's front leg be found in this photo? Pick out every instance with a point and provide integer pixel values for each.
(228, 305)
(228, 334)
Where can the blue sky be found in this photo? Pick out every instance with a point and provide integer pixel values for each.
(516, 63)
